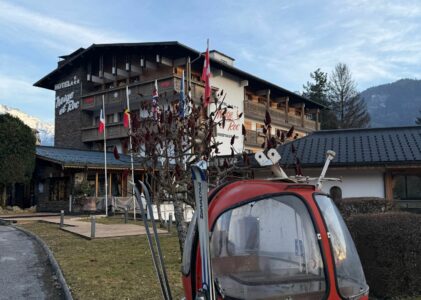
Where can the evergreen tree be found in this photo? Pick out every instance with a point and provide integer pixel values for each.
(17, 148)
(317, 91)
(350, 109)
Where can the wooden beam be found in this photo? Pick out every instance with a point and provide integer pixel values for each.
(108, 76)
(296, 105)
(286, 109)
(317, 119)
(303, 106)
(267, 98)
(388, 185)
(261, 92)
(122, 73)
(150, 65)
(95, 79)
(101, 67)
(281, 99)
(166, 61)
(180, 61)
(135, 70)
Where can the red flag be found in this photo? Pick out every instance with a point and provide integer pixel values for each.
(126, 118)
(116, 154)
(206, 73)
(101, 122)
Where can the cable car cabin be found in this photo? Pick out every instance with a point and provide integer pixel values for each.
(275, 240)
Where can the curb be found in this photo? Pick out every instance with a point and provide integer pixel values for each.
(56, 268)
(5, 222)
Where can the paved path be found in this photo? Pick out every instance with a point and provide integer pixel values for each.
(25, 272)
(82, 228)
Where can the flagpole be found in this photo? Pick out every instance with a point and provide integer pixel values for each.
(105, 158)
(208, 107)
(131, 151)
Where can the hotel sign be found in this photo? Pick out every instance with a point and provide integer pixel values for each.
(66, 103)
(67, 83)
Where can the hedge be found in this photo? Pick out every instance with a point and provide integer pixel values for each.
(364, 205)
(389, 246)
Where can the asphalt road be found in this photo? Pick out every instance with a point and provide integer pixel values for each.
(25, 272)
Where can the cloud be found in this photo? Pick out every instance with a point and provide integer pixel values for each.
(19, 93)
(378, 39)
(55, 33)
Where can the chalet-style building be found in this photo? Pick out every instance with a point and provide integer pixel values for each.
(372, 162)
(84, 77)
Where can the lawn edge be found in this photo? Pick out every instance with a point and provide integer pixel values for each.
(52, 260)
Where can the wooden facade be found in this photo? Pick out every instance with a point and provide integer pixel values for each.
(84, 77)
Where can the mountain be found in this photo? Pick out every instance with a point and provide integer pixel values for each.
(394, 104)
(45, 129)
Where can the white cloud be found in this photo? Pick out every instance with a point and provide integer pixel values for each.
(19, 93)
(55, 33)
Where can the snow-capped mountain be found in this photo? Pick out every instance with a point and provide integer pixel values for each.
(45, 129)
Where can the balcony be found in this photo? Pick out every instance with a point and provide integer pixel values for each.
(257, 111)
(253, 139)
(113, 131)
(139, 92)
(117, 96)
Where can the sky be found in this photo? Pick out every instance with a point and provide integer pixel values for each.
(282, 41)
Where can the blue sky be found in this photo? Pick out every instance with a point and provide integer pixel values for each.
(281, 41)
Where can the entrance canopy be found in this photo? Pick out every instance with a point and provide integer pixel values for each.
(71, 158)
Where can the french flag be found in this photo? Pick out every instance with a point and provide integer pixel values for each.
(101, 122)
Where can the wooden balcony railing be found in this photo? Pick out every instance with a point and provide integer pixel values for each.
(139, 92)
(253, 139)
(113, 131)
(257, 111)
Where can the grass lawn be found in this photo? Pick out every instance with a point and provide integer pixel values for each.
(114, 268)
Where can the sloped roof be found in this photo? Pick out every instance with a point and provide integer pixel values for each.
(357, 147)
(71, 158)
(172, 48)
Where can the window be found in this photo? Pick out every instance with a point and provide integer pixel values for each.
(58, 189)
(267, 249)
(407, 187)
(349, 272)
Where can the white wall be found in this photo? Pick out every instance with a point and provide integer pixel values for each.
(235, 97)
(355, 183)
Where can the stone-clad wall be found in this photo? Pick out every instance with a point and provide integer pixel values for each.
(68, 114)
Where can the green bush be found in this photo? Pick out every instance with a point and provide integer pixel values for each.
(364, 205)
(389, 245)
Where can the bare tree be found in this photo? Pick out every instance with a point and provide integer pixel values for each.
(345, 101)
(169, 136)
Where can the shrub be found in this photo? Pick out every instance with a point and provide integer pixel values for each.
(389, 245)
(364, 205)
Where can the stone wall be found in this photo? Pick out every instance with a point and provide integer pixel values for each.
(68, 114)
